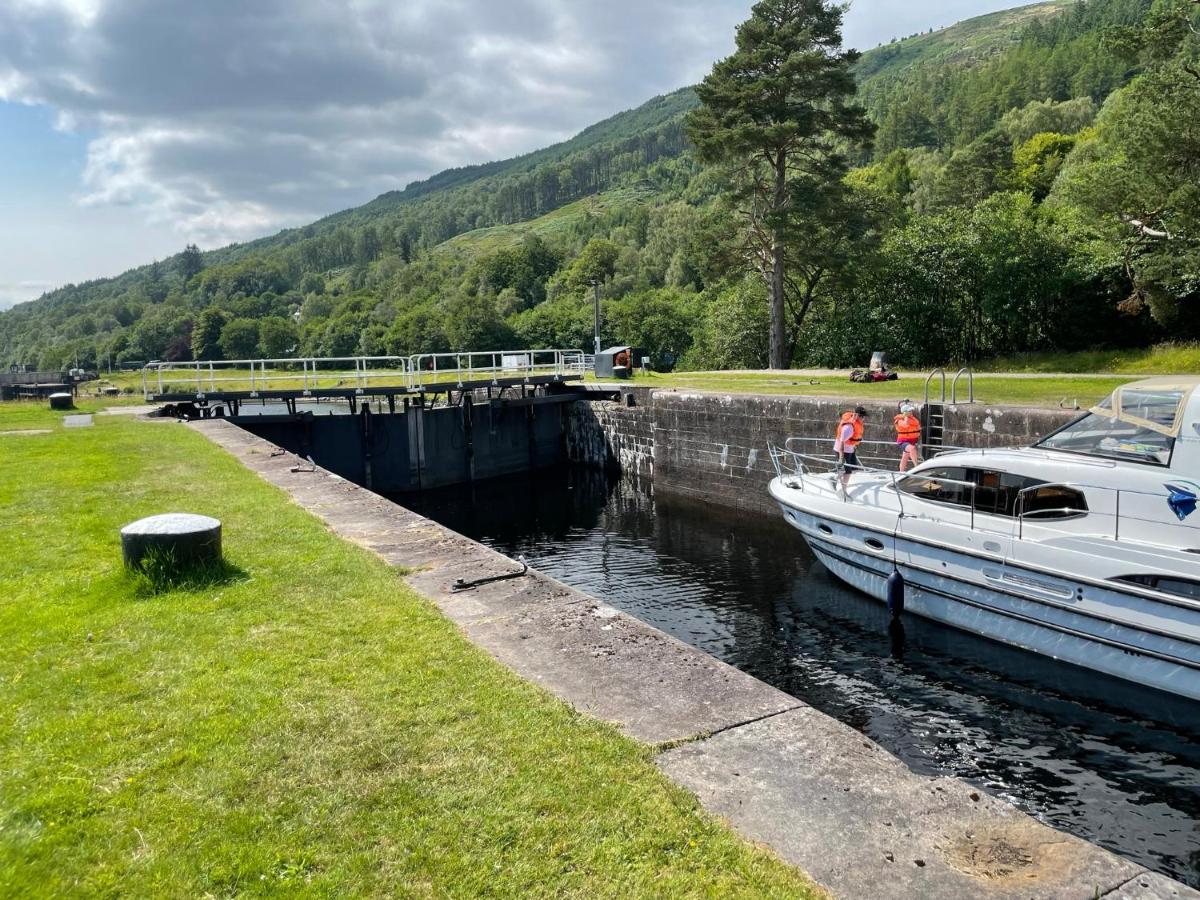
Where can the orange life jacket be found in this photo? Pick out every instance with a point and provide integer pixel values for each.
(852, 442)
(908, 428)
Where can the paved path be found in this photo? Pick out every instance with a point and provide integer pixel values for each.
(821, 795)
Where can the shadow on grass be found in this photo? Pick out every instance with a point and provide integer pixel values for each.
(159, 572)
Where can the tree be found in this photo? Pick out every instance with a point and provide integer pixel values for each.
(733, 331)
(277, 337)
(206, 335)
(777, 115)
(1138, 178)
(190, 262)
(596, 263)
(1038, 160)
(239, 339)
(977, 171)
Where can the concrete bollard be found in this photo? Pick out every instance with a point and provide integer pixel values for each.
(61, 401)
(188, 538)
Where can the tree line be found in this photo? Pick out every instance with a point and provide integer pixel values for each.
(1038, 193)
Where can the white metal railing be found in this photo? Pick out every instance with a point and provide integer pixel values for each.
(1119, 511)
(309, 375)
(1122, 510)
(257, 375)
(970, 385)
(796, 463)
(941, 373)
(929, 378)
(459, 368)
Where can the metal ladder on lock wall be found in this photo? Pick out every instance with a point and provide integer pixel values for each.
(933, 412)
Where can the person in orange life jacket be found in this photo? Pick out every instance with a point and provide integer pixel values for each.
(908, 435)
(849, 436)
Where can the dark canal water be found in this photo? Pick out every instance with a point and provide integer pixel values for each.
(1117, 766)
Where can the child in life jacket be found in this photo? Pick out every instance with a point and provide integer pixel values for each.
(908, 435)
(849, 436)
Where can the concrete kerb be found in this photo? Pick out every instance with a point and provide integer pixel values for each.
(821, 795)
(654, 687)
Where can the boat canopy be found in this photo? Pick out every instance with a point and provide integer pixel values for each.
(1139, 422)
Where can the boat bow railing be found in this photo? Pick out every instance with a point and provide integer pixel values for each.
(792, 465)
(1124, 513)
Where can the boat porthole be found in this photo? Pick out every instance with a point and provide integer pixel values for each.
(873, 544)
(825, 529)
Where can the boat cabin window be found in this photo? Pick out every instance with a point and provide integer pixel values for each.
(1053, 502)
(996, 493)
(945, 485)
(1180, 587)
(1138, 424)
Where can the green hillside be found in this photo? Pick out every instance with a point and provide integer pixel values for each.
(987, 223)
(963, 44)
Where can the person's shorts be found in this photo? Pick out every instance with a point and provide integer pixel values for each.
(900, 442)
(851, 461)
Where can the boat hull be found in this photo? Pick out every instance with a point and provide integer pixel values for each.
(936, 588)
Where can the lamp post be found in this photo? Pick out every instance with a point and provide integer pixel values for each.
(595, 283)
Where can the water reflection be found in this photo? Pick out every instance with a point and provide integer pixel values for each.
(1095, 756)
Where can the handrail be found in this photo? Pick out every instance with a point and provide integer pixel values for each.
(1022, 514)
(1118, 513)
(970, 385)
(429, 368)
(361, 372)
(929, 378)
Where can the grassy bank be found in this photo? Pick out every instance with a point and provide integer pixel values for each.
(1032, 391)
(1163, 359)
(309, 726)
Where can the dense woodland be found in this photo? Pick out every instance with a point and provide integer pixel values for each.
(1033, 182)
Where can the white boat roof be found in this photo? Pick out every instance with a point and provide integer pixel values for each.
(1159, 404)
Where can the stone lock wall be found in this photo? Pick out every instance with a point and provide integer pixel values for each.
(979, 425)
(712, 447)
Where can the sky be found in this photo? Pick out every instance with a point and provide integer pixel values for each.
(129, 128)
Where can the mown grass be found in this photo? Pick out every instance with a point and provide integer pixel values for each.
(20, 415)
(1162, 359)
(1016, 391)
(310, 727)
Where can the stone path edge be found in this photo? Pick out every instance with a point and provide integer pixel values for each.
(819, 794)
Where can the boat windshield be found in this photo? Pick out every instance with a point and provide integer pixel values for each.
(1137, 423)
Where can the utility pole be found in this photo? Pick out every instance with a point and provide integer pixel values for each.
(595, 283)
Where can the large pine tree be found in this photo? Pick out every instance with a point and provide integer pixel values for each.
(779, 115)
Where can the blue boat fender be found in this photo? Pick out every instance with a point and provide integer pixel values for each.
(895, 594)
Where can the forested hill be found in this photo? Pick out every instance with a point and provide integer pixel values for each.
(975, 125)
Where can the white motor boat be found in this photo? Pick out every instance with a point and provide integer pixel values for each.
(1084, 547)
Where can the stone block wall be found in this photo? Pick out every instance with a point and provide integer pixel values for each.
(979, 425)
(712, 447)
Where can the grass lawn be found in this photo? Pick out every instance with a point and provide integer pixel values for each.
(1163, 359)
(1017, 391)
(310, 726)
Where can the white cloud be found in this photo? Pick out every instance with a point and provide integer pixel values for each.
(18, 292)
(224, 120)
